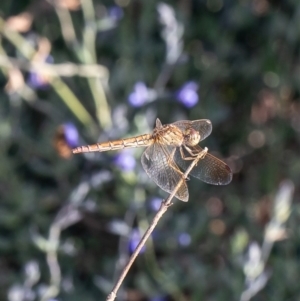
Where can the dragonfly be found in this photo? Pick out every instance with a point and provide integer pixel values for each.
(170, 149)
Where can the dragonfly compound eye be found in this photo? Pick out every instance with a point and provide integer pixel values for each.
(192, 137)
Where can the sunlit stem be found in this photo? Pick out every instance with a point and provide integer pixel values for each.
(163, 208)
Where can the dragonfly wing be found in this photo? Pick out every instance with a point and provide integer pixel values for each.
(210, 169)
(161, 168)
(203, 126)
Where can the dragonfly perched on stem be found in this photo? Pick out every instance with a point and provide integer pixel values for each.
(170, 149)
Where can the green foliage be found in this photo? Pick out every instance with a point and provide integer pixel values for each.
(243, 55)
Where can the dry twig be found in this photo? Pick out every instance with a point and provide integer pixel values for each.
(163, 208)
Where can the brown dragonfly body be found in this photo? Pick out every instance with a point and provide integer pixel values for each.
(169, 148)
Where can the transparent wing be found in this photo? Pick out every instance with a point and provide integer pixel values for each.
(163, 171)
(203, 126)
(209, 169)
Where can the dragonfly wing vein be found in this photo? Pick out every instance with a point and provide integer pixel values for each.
(210, 169)
(160, 167)
(203, 126)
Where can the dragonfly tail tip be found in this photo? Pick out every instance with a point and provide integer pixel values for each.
(75, 150)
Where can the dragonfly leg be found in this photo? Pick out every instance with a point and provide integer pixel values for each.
(184, 157)
(171, 162)
(174, 166)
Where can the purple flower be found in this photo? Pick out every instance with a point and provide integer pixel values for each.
(34, 81)
(155, 203)
(115, 12)
(134, 239)
(38, 80)
(139, 96)
(184, 239)
(71, 134)
(125, 161)
(188, 95)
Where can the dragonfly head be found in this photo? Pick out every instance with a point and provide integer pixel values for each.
(191, 137)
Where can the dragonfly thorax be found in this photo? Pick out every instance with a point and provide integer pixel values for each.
(191, 137)
(169, 135)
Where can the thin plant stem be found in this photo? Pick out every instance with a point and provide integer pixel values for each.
(163, 208)
(86, 53)
(89, 31)
(72, 102)
(27, 93)
(89, 55)
(66, 94)
(67, 216)
(102, 108)
(164, 77)
(55, 70)
(67, 27)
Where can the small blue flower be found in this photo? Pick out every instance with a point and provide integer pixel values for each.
(71, 134)
(35, 81)
(134, 239)
(115, 12)
(188, 95)
(155, 203)
(125, 161)
(38, 80)
(184, 239)
(139, 96)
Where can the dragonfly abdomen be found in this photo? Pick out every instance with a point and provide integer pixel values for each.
(142, 140)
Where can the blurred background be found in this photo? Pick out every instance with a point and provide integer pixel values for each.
(78, 72)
